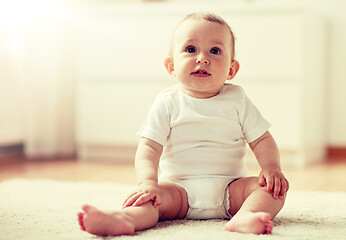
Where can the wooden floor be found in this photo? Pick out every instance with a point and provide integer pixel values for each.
(329, 176)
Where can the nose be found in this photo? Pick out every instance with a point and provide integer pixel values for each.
(202, 59)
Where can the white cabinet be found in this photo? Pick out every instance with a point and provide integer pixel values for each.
(120, 70)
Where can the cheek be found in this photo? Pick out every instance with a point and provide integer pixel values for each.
(223, 66)
(184, 65)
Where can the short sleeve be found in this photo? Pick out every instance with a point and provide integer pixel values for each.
(252, 122)
(156, 125)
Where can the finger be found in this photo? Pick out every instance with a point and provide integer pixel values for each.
(132, 200)
(133, 193)
(157, 201)
(128, 202)
(128, 197)
(262, 181)
(142, 199)
(288, 185)
(284, 189)
(270, 184)
(277, 188)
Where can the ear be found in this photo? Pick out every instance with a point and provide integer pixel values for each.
(233, 70)
(169, 66)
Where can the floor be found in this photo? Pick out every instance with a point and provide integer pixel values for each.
(328, 176)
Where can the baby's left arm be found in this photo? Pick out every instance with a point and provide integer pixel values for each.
(271, 176)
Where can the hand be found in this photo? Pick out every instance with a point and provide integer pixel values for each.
(145, 192)
(275, 182)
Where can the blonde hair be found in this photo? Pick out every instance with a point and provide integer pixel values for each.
(211, 18)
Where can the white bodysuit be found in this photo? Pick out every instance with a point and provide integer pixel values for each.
(204, 143)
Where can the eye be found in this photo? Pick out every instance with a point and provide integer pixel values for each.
(190, 49)
(215, 50)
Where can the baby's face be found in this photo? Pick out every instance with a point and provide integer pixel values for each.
(202, 57)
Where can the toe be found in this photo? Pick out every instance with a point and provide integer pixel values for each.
(269, 227)
(267, 232)
(86, 208)
(80, 220)
(265, 217)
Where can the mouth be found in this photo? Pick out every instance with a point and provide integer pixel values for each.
(200, 73)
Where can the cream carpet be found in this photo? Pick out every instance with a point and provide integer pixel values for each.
(47, 209)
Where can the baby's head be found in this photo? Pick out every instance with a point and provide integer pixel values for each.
(202, 54)
(210, 17)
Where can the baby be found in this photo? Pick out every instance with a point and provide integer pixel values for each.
(197, 133)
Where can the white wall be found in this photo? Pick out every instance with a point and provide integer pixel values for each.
(11, 101)
(334, 13)
(37, 69)
(334, 10)
(11, 104)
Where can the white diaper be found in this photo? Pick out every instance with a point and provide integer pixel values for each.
(208, 197)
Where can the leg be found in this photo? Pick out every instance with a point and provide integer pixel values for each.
(252, 207)
(127, 221)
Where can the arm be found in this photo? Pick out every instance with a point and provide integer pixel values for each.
(146, 163)
(267, 154)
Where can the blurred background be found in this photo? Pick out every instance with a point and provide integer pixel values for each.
(77, 77)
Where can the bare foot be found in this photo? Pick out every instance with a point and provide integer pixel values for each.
(100, 223)
(249, 222)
